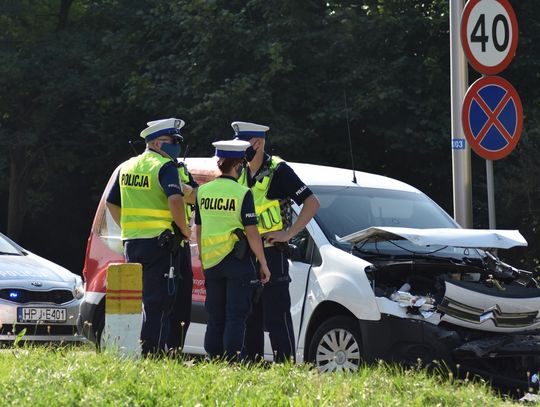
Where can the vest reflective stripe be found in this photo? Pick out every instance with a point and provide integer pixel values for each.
(156, 224)
(146, 212)
(216, 240)
(218, 225)
(184, 177)
(268, 210)
(145, 208)
(219, 250)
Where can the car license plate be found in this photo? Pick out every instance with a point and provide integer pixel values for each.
(34, 314)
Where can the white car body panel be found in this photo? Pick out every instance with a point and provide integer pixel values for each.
(341, 278)
(316, 175)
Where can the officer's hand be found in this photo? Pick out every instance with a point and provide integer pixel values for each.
(256, 143)
(278, 236)
(265, 274)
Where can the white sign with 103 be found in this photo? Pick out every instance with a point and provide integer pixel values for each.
(458, 144)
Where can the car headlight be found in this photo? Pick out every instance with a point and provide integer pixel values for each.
(78, 291)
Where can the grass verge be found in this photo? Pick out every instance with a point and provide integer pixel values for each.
(43, 376)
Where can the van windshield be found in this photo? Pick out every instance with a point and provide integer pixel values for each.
(345, 210)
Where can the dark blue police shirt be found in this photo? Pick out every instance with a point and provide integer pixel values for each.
(247, 213)
(169, 179)
(284, 184)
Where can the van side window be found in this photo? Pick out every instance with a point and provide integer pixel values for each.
(108, 230)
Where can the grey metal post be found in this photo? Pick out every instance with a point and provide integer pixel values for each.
(461, 158)
(491, 194)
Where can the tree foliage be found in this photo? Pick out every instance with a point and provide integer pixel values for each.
(81, 78)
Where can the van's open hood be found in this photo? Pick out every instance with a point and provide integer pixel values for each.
(472, 238)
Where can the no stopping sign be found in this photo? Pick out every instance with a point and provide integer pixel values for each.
(492, 117)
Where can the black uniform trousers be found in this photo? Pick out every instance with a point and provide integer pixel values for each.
(228, 303)
(273, 313)
(158, 290)
(180, 316)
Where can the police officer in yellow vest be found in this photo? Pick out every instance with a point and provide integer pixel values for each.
(145, 200)
(273, 184)
(180, 317)
(225, 218)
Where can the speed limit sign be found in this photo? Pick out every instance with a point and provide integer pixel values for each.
(489, 34)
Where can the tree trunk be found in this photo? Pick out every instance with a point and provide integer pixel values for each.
(18, 181)
(63, 14)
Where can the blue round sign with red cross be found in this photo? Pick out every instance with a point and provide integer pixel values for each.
(492, 117)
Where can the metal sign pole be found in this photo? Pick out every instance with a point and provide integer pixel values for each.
(491, 194)
(461, 157)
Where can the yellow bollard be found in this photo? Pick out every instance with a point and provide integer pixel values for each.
(123, 306)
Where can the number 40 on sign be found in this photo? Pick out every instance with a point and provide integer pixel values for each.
(489, 34)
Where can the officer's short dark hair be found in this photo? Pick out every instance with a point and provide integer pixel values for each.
(227, 164)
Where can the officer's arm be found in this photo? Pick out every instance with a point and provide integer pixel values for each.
(190, 194)
(308, 211)
(116, 212)
(176, 206)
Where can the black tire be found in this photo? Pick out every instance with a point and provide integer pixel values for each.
(99, 322)
(336, 345)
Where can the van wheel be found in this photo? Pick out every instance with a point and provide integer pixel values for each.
(336, 345)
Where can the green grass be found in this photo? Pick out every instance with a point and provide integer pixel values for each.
(45, 376)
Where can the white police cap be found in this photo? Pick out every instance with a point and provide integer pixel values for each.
(156, 128)
(231, 148)
(245, 131)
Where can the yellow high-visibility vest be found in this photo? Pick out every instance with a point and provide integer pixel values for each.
(145, 209)
(268, 210)
(220, 205)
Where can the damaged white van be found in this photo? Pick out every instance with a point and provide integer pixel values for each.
(381, 272)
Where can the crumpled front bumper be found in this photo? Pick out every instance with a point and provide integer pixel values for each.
(509, 362)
